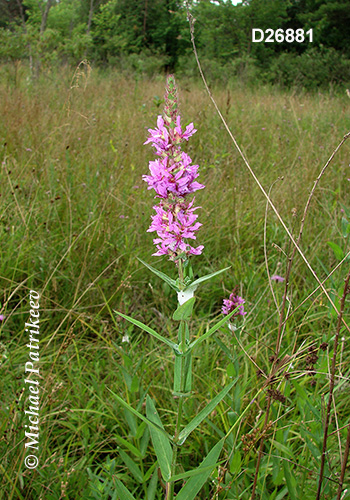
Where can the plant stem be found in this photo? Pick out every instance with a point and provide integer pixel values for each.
(267, 414)
(331, 386)
(181, 275)
(344, 462)
(169, 494)
(170, 486)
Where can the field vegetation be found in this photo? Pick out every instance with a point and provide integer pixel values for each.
(73, 218)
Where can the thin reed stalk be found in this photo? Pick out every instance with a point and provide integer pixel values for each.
(331, 388)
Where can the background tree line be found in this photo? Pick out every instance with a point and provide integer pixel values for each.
(148, 36)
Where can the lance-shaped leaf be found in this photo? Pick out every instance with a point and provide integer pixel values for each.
(193, 485)
(142, 417)
(122, 490)
(195, 283)
(204, 413)
(193, 472)
(160, 442)
(148, 330)
(132, 466)
(152, 487)
(338, 252)
(213, 329)
(163, 276)
(345, 227)
(185, 310)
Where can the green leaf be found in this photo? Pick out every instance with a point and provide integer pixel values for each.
(195, 283)
(134, 384)
(160, 442)
(231, 371)
(282, 494)
(307, 436)
(281, 447)
(131, 421)
(152, 487)
(204, 413)
(144, 441)
(163, 276)
(129, 446)
(291, 481)
(142, 417)
(193, 485)
(276, 468)
(236, 463)
(300, 390)
(223, 347)
(345, 227)
(338, 252)
(140, 430)
(194, 472)
(213, 329)
(148, 330)
(132, 466)
(150, 471)
(184, 312)
(122, 491)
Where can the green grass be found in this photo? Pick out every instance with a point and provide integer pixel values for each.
(73, 218)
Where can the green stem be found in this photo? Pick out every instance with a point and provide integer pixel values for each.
(181, 275)
(169, 494)
(170, 486)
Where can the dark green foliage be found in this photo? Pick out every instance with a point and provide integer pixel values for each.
(148, 36)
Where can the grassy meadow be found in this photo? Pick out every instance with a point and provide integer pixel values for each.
(73, 218)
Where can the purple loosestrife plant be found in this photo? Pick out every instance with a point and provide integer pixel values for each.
(173, 178)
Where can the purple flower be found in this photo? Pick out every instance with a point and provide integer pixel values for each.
(173, 225)
(172, 176)
(232, 303)
(2, 317)
(277, 278)
(160, 179)
(190, 130)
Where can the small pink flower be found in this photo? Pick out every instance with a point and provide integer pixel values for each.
(2, 317)
(232, 303)
(277, 278)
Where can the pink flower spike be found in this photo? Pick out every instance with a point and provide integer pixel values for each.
(2, 317)
(172, 176)
(277, 278)
(232, 303)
